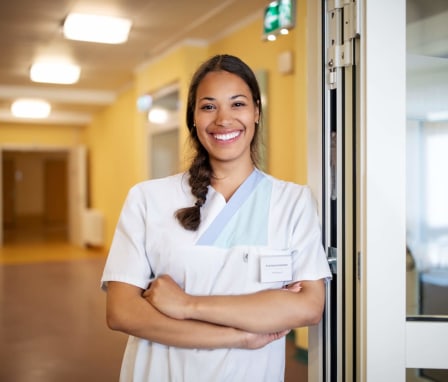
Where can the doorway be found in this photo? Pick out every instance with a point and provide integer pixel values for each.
(35, 196)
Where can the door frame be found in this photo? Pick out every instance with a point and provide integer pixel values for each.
(77, 185)
(380, 337)
(383, 190)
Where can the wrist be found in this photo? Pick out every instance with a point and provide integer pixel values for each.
(191, 308)
(238, 339)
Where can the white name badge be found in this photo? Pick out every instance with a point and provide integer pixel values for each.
(275, 268)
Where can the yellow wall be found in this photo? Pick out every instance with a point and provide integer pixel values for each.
(113, 158)
(43, 135)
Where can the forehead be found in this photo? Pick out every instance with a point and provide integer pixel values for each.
(222, 82)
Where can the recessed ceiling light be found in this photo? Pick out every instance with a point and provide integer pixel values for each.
(55, 73)
(30, 108)
(96, 28)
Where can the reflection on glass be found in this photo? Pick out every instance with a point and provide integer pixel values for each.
(163, 119)
(164, 151)
(427, 157)
(426, 166)
(427, 375)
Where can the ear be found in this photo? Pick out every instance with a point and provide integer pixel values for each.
(257, 113)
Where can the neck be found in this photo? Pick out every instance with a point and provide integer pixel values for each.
(227, 178)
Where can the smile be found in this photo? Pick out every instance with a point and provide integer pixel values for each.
(227, 137)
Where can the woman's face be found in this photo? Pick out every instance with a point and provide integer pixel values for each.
(225, 117)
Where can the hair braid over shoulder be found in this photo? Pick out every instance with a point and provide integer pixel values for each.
(200, 174)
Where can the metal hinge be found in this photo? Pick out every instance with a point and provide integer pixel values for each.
(333, 259)
(343, 28)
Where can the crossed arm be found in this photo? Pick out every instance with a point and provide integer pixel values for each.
(165, 314)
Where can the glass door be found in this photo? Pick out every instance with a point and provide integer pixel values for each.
(384, 208)
(426, 188)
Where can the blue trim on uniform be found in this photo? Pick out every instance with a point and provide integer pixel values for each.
(232, 207)
(250, 225)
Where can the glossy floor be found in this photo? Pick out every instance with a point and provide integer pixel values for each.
(52, 317)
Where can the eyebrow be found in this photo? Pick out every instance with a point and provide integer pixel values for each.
(207, 98)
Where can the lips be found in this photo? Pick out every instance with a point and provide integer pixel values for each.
(227, 136)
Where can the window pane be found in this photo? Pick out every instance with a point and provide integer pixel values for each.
(427, 157)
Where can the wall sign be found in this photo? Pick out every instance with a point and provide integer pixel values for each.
(279, 18)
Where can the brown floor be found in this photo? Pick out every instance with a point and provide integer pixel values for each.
(52, 317)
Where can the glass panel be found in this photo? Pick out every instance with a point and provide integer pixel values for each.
(426, 161)
(164, 153)
(163, 118)
(427, 157)
(426, 375)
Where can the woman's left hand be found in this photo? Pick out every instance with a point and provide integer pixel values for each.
(167, 297)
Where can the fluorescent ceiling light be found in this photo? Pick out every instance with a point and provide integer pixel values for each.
(30, 108)
(95, 28)
(55, 73)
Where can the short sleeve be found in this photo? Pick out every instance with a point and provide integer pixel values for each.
(127, 260)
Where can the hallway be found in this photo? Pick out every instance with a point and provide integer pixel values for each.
(52, 315)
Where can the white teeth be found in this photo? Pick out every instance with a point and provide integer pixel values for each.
(226, 137)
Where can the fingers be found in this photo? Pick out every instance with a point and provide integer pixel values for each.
(294, 287)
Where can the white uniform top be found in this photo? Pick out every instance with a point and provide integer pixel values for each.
(267, 221)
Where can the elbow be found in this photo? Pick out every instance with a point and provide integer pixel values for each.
(315, 319)
(315, 315)
(114, 321)
(311, 317)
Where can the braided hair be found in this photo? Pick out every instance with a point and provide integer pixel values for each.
(200, 170)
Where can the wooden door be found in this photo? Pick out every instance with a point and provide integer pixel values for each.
(8, 193)
(55, 192)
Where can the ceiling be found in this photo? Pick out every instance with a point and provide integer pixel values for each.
(31, 29)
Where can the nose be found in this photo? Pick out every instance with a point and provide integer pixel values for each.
(224, 117)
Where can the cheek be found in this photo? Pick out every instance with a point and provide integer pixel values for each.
(201, 133)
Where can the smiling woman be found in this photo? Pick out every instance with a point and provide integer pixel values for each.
(182, 275)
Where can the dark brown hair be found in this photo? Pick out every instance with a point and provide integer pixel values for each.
(200, 170)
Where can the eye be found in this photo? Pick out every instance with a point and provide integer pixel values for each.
(207, 107)
(239, 104)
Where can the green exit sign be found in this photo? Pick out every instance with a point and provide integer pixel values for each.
(278, 16)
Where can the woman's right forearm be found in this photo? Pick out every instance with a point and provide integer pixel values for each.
(130, 313)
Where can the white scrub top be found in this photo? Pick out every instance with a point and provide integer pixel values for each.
(267, 223)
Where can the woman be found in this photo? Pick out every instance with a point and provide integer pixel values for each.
(210, 269)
